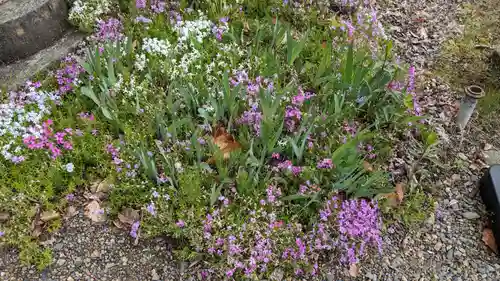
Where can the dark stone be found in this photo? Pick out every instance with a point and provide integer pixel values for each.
(28, 26)
(490, 193)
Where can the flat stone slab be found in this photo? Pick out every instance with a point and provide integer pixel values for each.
(492, 157)
(28, 26)
(18, 73)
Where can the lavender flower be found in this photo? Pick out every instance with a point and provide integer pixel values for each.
(158, 6)
(151, 209)
(156, 194)
(140, 4)
(359, 221)
(180, 223)
(133, 230)
(69, 167)
(110, 30)
(325, 164)
(143, 19)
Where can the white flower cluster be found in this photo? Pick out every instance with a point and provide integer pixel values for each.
(86, 13)
(140, 62)
(199, 29)
(186, 61)
(22, 115)
(11, 155)
(153, 46)
(156, 46)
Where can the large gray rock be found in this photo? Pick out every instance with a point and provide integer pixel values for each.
(17, 73)
(28, 26)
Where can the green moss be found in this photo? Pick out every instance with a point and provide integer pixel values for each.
(467, 59)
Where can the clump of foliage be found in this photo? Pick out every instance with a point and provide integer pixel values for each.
(243, 130)
(85, 14)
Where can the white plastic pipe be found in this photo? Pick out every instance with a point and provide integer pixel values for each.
(472, 94)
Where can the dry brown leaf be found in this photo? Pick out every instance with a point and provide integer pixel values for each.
(49, 215)
(93, 186)
(71, 212)
(400, 192)
(119, 224)
(128, 216)
(98, 196)
(395, 198)
(37, 231)
(4, 216)
(367, 166)
(104, 186)
(488, 146)
(354, 270)
(225, 142)
(36, 221)
(489, 240)
(392, 199)
(94, 212)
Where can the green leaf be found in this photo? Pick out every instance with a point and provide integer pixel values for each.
(111, 72)
(88, 92)
(349, 64)
(431, 139)
(106, 113)
(215, 193)
(294, 48)
(297, 197)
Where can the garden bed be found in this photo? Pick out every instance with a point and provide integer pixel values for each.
(257, 135)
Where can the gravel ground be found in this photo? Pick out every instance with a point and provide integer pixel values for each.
(418, 27)
(447, 247)
(86, 251)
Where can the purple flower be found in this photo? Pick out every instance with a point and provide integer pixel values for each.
(411, 80)
(230, 272)
(133, 230)
(67, 77)
(143, 19)
(296, 170)
(252, 117)
(151, 209)
(17, 159)
(358, 220)
(140, 4)
(156, 194)
(158, 6)
(325, 164)
(70, 197)
(180, 223)
(110, 30)
(2, 233)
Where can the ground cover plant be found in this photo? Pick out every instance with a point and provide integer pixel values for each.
(256, 133)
